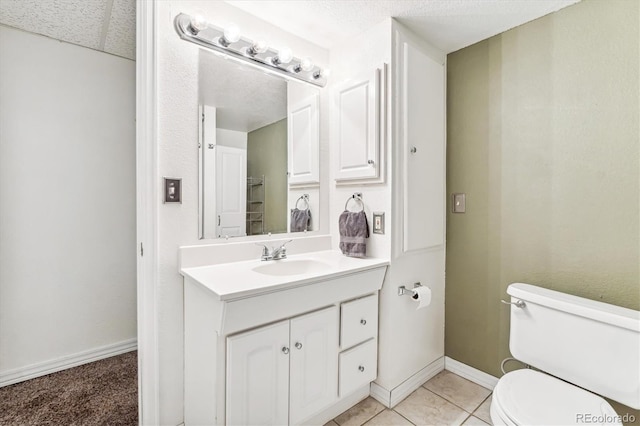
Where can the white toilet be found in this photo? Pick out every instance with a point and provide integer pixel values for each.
(589, 344)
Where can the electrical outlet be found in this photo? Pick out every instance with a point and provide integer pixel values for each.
(378, 223)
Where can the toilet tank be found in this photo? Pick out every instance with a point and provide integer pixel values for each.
(591, 344)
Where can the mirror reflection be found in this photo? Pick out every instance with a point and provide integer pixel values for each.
(258, 146)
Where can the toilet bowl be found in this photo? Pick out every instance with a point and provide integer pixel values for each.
(581, 346)
(528, 397)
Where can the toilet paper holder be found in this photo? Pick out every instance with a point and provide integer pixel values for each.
(402, 290)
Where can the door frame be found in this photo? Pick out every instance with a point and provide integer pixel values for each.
(147, 193)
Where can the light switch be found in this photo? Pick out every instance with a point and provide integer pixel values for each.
(378, 223)
(172, 190)
(458, 203)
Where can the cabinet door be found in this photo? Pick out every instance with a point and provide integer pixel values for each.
(314, 363)
(304, 142)
(357, 128)
(422, 107)
(258, 376)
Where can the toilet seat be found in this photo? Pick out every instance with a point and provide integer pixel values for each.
(528, 397)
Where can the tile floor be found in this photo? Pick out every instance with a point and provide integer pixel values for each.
(446, 399)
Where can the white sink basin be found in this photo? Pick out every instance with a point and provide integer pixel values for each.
(291, 267)
(237, 280)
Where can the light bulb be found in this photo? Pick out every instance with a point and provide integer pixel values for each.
(322, 73)
(232, 33)
(197, 23)
(284, 56)
(259, 46)
(305, 65)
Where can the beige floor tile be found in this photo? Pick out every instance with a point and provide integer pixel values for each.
(360, 413)
(474, 421)
(483, 411)
(423, 407)
(388, 418)
(331, 423)
(462, 392)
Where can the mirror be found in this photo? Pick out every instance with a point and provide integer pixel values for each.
(258, 151)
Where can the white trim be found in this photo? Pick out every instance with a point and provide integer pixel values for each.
(32, 371)
(340, 407)
(391, 398)
(380, 394)
(147, 211)
(476, 376)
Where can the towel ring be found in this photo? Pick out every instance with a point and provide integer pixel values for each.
(305, 198)
(357, 197)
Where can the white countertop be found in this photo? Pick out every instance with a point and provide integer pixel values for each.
(239, 280)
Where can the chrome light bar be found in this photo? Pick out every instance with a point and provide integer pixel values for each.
(198, 31)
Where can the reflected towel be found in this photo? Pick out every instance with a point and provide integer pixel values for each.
(354, 229)
(300, 220)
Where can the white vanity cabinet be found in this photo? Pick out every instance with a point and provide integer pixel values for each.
(291, 351)
(285, 372)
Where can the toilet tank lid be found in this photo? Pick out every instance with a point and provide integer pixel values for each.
(599, 311)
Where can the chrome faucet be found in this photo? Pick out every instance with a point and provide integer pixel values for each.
(275, 253)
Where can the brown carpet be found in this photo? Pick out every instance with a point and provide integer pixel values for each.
(104, 392)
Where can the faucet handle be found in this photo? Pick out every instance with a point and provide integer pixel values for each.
(285, 243)
(265, 249)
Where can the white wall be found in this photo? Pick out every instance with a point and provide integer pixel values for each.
(177, 80)
(232, 138)
(67, 200)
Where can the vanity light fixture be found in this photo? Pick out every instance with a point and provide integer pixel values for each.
(197, 23)
(256, 47)
(304, 65)
(322, 73)
(197, 30)
(284, 56)
(231, 34)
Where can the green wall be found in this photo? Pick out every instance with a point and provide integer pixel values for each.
(267, 155)
(543, 137)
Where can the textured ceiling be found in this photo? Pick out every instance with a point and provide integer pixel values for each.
(109, 25)
(105, 25)
(447, 24)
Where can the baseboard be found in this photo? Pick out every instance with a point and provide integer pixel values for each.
(473, 374)
(380, 394)
(340, 407)
(32, 371)
(391, 398)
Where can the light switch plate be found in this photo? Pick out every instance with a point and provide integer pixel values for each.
(173, 190)
(458, 203)
(378, 223)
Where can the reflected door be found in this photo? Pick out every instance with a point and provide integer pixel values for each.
(231, 193)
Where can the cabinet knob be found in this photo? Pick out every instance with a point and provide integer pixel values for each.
(361, 368)
(371, 162)
(363, 321)
(414, 149)
(285, 350)
(298, 345)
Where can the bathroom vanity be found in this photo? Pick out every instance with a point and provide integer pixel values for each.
(280, 342)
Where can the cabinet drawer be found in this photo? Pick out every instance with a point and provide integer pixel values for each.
(359, 321)
(358, 366)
